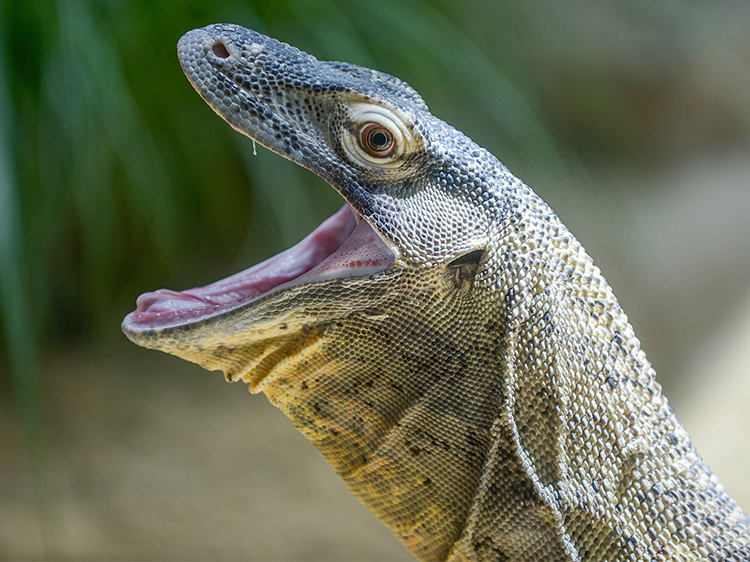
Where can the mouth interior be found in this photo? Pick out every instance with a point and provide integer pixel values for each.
(344, 245)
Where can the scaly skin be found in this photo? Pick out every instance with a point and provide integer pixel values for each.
(484, 395)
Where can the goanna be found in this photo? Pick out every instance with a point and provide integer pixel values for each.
(443, 339)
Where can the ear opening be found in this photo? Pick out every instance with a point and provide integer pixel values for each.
(463, 269)
(472, 258)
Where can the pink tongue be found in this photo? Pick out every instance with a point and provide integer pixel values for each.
(337, 248)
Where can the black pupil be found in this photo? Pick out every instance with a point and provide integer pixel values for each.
(379, 140)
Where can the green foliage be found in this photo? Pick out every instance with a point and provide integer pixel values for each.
(15, 298)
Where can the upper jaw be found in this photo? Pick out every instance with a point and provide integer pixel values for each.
(342, 246)
(282, 98)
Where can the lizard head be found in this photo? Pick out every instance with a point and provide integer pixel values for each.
(416, 190)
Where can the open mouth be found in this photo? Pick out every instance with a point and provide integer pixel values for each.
(344, 245)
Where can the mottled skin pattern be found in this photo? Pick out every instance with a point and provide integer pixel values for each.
(485, 396)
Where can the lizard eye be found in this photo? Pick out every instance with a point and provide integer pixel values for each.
(377, 137)
(377, 140)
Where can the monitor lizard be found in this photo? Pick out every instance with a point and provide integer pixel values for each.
(443, 339)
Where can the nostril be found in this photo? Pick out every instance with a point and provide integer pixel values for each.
(220, 50)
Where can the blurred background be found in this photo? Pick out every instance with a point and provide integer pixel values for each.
(632, 119)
